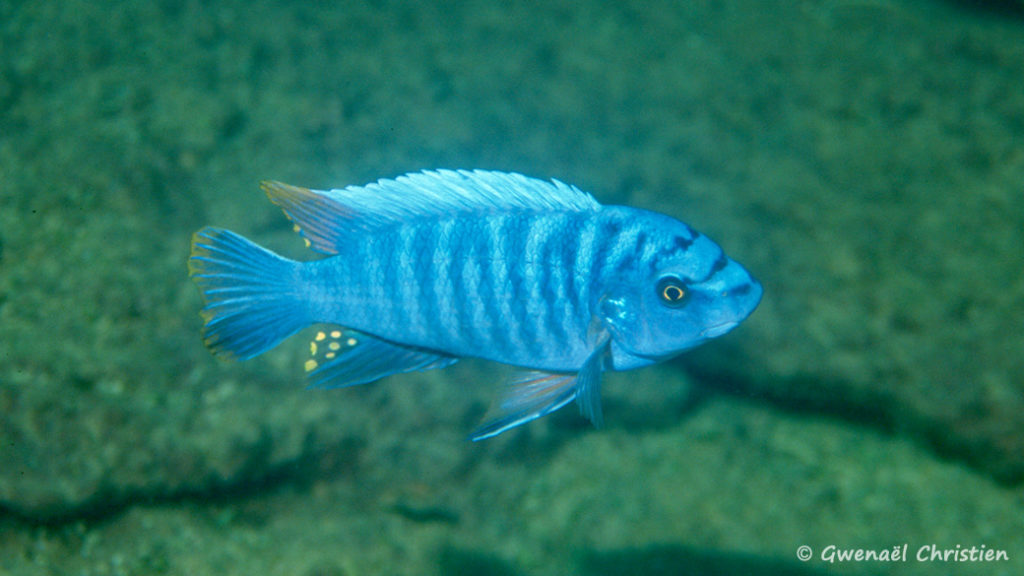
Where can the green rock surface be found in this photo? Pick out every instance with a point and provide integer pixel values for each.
(864, 159)
(728, 488)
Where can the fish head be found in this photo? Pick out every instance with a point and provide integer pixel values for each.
(682, 291)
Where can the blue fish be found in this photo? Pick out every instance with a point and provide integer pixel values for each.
(435, 266)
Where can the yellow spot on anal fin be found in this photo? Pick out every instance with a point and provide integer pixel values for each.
(311, 365)
(351, 342)
(335, 334)
(308, 243)
(320, 336)
(334, 346)
(329, 355)
(296, 228)
(312, 348)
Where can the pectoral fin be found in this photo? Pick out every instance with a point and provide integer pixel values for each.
(530, 395)
(588, 387)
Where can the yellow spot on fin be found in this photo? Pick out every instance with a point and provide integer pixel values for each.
(326, 346)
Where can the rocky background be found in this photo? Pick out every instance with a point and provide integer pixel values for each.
(863, 158)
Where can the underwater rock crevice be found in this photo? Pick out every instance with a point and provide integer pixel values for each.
(252, 481)
(875, 409)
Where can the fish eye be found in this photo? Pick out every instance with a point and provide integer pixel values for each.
(672, 291)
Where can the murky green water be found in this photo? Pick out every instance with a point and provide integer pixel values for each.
(863, 159)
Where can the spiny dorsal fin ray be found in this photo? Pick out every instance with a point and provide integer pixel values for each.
(327, 218)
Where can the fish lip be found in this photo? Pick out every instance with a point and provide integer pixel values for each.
(718, 329)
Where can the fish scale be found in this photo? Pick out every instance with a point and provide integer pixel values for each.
(407, 283)
(496, 239)
(538, 308)
(430, 267)
(490, 285)
(498, 316)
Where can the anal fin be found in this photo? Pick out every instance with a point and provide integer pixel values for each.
(341, 357)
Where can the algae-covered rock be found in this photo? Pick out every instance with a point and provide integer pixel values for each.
(862, 159)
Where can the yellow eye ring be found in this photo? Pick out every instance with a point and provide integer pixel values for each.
(672, 291)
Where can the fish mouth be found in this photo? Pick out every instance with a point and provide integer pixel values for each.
(718, 329)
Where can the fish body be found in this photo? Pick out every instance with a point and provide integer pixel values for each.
(435, 266)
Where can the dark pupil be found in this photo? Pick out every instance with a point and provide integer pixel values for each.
(672, 291)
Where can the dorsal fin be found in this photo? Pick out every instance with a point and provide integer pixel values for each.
(317, 217)
(325, 217)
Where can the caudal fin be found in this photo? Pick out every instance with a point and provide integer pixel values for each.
(251, 296)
